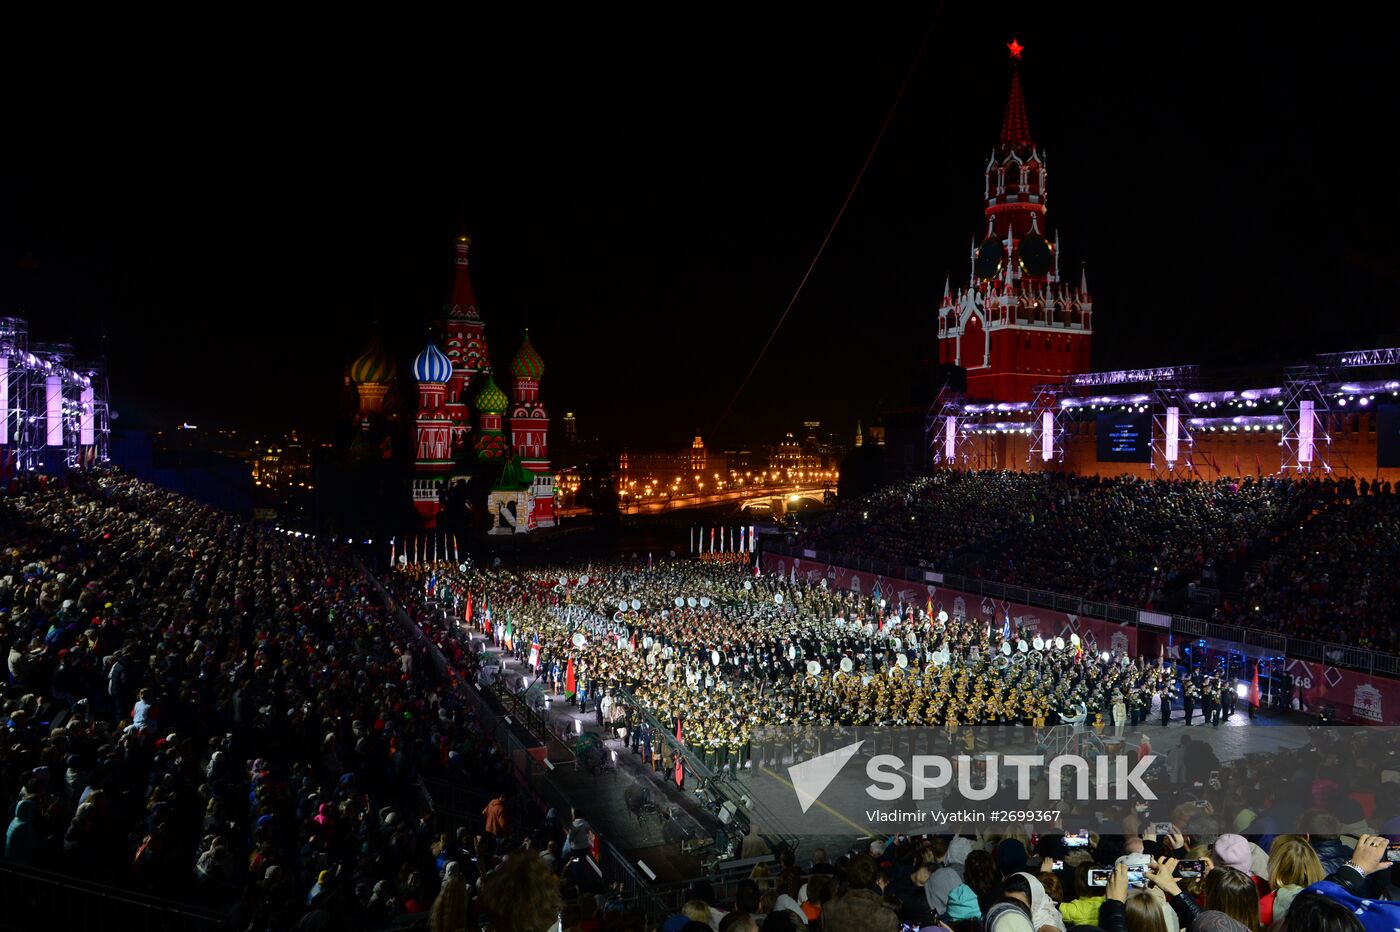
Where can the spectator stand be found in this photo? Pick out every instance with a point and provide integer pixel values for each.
(541, 783)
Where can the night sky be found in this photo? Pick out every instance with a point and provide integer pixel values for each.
(239, 215)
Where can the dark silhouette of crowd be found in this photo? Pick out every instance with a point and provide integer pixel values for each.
(1327, 546)
(214, 712)
(1314, 857)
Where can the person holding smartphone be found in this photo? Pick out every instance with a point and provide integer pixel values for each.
(1227, 890)
(1129, 911)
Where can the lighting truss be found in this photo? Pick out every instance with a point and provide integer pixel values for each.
(1359, 358)
(1133, 376)
(1047, 444)
(1307, 417)
(947, 421)
(1172, 393)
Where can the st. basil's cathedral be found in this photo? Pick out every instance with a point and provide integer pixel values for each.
(509, 445)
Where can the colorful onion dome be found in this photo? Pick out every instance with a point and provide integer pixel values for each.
(491, 400)
(374, 365)
(432, 365)
(527, 363)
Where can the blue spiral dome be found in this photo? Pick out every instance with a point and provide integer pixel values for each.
(432, 365)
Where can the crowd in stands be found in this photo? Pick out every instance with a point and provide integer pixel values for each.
(1209, 865)
(216, 713)
(1327, 545)
(1338, 565)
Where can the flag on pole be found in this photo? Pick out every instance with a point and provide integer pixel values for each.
(508, 636)
(535, 653)
(570, 680)
(456, 554)
(1254, 687)
(753, 541)
(680, 757)
(712, 540)
(930, 608)
(467, 616)
(1006, 627)
(391, 552)
(692, 538)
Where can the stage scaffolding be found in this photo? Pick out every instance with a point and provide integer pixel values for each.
(1307, 419)
(1048, 412)
(1173, 443)
(950, 443)
(55, 413)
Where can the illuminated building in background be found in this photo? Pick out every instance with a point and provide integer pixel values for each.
(372, 373)
(433, 427)
(697, 470)
(454, 366)
(1018, 323)
(529, 428)
(281, 467)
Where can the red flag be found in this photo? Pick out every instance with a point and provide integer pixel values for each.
(1254, 687)
(634, 642)
(680, 758)
(468, 615)
(570, 681)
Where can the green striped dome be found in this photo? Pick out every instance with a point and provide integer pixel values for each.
(491, 400)
(374, 365)
(527, 363)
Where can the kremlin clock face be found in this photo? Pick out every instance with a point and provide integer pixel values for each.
(988, 262)
(1035, 256)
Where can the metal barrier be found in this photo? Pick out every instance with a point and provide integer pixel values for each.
(39, 900)
(613, 869)
(1339, 655)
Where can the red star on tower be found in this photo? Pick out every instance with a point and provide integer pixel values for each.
(1016, 48)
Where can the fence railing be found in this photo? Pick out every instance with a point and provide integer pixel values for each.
(1338, 655)
(36, 899)
(613, 869)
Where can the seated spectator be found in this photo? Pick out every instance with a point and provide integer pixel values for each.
(1293, 865)
(861, 908)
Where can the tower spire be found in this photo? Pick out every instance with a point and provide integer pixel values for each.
(463, 297)
(1015, 127)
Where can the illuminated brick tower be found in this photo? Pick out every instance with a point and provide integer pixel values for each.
(464, 342)
(1018, 323)
(433, 430)
(529, 428)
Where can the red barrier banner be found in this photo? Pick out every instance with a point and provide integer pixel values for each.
(1352, 696)
(1096, 634)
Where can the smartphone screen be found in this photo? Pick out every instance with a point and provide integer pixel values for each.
(1057, 865)
(1163, 828)
(1137, 876)
(1392, 854)
(1190, 870)
(1098, 876)
(1077, 839)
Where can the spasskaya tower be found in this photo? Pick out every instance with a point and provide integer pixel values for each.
(1017, 323)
